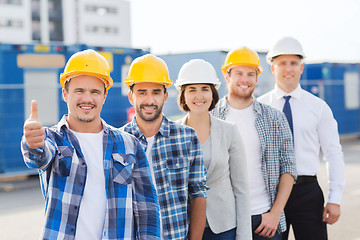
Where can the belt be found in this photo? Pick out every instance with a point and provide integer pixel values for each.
(305, 179)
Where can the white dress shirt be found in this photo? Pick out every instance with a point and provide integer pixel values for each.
(314, 128)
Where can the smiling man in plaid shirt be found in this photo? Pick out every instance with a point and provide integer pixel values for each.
(95, 179)
(268, 147)
(173, 151)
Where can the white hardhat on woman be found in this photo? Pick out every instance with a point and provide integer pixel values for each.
(197, 71)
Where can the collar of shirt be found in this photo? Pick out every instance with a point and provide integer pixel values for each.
(164, 128)
(63, 123)
(223, 105)
(296, 94)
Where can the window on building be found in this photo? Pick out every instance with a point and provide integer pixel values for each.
(56, 31)
(101, 29)
(36, 30)
(11, 23)
(11, 2)
(100, 10)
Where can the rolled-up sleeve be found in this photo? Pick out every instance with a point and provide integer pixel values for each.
(287, 156)
(197, 173)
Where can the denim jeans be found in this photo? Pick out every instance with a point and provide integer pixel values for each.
(255, 223)
(228, 235)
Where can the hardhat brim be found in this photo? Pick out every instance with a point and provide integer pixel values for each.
(130, 82)
(108, 81)
(228, 67)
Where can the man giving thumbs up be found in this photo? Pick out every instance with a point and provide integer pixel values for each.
(34, 133)
(95, 179)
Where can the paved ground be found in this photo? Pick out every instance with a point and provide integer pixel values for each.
(22, 205)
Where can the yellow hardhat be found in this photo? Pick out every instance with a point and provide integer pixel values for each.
(87, 62)
(242, 56)
(148, 68)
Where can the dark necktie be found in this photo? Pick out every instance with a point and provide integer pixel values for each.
(287, 111)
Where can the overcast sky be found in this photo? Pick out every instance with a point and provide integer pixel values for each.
(329, 30)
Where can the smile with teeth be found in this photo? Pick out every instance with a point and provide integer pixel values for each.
(244, 86)
(149, 108)
(86, 107)
(199, 103)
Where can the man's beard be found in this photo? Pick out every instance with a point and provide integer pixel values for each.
(158, 111)
(86, 120)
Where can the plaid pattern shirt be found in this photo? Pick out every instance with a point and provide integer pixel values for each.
(277, 149)
(179, 173)
(132, 210)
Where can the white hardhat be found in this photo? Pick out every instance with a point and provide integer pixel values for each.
(285, 46)
(197, 71)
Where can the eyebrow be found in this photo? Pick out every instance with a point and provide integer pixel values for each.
(87, 89)
(153, 90)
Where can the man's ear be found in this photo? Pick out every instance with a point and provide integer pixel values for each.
(64, 94)
(227, 77)
(166, 96)
(272, 68)
(106, 93)
(130, 97)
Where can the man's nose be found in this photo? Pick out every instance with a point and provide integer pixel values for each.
(149, 99)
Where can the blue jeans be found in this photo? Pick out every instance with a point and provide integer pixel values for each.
(255, 223)
(228, 235)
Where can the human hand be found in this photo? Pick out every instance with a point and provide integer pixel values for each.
(268, 226)
(331, 213)
(34, 133)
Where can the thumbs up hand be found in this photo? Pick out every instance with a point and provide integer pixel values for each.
(34, 133)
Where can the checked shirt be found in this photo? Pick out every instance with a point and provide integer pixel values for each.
(132, 210)
(179, 173)
(277, 150)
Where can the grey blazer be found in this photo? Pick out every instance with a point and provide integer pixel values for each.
(228, 199)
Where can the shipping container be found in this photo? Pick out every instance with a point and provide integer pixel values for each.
(32, 72)
(338, 85)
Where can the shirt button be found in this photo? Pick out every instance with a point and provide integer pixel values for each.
(72, 229)
(76, 207)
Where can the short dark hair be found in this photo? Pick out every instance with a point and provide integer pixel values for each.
(131, 87)
(67, 86)
(185, 108)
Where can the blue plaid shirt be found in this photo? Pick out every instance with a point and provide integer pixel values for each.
(179, 173)
(132, 210)
(277, 149)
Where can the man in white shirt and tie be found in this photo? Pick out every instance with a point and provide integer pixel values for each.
(314, 128)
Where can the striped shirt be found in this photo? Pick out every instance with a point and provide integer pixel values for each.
(277, 150)
(179, 173)
(132, 210)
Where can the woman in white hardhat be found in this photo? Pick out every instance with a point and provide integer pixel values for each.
(227, 204)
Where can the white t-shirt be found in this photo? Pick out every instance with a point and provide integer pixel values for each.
(150, 143)
(245, 122)
(93, 204)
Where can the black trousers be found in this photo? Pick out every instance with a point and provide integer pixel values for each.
(304, 211)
